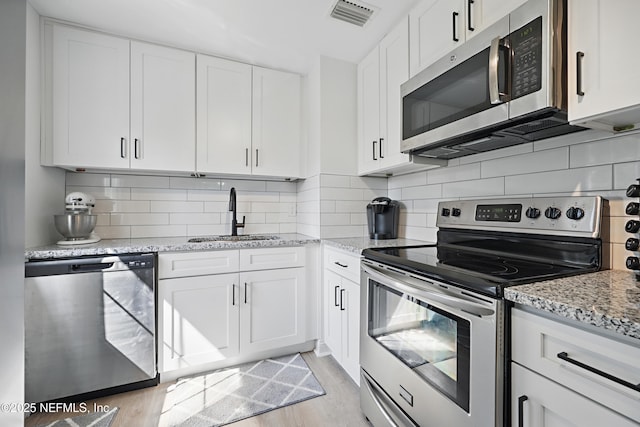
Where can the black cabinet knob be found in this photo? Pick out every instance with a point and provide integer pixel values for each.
(633, 263)
(633, 208)
(632, 244)
(575, 213)
(532, 212)
(455, 212)
(553, 213)
(633, 190)
(632, 226)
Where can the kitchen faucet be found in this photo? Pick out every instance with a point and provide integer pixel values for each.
(232, 207)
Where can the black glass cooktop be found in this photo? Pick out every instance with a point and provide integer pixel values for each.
(483, 271)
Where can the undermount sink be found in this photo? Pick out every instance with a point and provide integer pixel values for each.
(226, 238)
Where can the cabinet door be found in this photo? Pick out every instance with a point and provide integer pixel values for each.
(333, 317)
(163, 116)
(394, 70)
(350, 309)
(224, 116)
(198, 320)
(276, 127)
(480, 14)
(272, 309)
(436, 27)
(90, 99)
(544, 403)
(369, 113)
(603, 32)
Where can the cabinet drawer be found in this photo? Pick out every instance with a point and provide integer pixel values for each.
(185, 264)
(344, 263)
(543, 345)
(270, 258)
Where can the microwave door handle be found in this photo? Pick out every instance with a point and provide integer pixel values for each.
(494, 59)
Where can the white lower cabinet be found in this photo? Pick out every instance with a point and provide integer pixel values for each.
(564, 375)
(342, 310)
(244, 308)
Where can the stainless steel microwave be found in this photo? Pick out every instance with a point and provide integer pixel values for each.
(505, 86)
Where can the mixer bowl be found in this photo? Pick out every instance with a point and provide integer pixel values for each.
(75, 226)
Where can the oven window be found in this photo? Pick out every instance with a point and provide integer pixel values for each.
(435, 344)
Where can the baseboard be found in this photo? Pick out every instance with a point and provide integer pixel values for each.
(322, 349)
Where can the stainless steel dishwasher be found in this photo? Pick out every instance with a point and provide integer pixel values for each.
(89, 326)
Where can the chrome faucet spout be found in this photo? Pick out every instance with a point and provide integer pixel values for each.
(233, 208)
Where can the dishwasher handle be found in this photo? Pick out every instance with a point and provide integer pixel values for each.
(88, 268)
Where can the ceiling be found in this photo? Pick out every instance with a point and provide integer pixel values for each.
(281, 34)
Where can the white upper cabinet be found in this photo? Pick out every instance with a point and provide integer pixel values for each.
(439, 26)
(604, 91)
(276, 125)
(163, 108)
(224, 116)
(380, 75)
(116, 104)
(88, 99)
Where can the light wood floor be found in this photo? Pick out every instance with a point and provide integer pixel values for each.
(339, 407)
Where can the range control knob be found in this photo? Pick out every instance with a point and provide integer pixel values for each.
(455, 212)
(633, 263)
(446, 212)
(552, 213)
(632, 244)
(575, 213)
(632, 226)
(633, 190)
(532, 212)
(633, 208)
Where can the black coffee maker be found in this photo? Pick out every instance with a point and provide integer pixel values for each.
(383, 216)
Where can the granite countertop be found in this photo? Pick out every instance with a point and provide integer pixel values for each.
(160, 244)
(609, 299)
(358, 244)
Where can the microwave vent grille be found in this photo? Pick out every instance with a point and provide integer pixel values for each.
(535, 126)
(352, 12)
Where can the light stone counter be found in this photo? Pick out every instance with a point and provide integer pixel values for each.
(358, 244)
(609, 299)
(160, 244)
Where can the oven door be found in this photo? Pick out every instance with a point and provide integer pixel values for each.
(430, 349)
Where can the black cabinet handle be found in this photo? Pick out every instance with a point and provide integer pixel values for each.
(123, 150)
(579, 57)
(469, 13)
(335, 296)
(339, 264)
(564, 356)
(233, 295)
(341, 299)
(381, 156)
(256, 157)
(246, 157)
(245, 292)
(136, 149)
(374, 150)
(455, 16)
(521, 401)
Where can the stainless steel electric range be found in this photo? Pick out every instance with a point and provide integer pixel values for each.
(432, 341)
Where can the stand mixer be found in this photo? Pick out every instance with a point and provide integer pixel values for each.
(77, 223)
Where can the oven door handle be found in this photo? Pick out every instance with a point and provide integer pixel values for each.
(369, 386)
(448, 300)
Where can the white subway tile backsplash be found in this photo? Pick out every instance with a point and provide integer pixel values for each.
(122, 206)
(207, 196)
(171, 206)
(537, 161)
(496, 154)
(358, 218)
(419, 233)
(338, 231)
(139, 231)
(291, 228)
(113, 232)
(373, 183)
(139, 219)
(330, 206)
(409, 180)
(194, 230)
(140, 181)
(608, 151)
(341, 194)
(570, 180)
(372, 194)
(570, 139)
(88, 179)
(422, 192)
(335, 219)
(625, 174)
(194, 183)
(281, 187)
(413, 219)
(102, 192)
(351, 206)
(194, 218)
(424, 205)
(453, 174)
(341, 181)
(242, 185)
(475, 188)
(265, 207)
(157, 194)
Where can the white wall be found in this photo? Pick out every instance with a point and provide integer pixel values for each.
(44, 186)
(583, 163)
(13, 32)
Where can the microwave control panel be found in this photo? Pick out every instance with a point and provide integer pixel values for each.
(526, 45)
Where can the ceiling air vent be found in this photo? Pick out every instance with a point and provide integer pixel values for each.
(351, 12)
